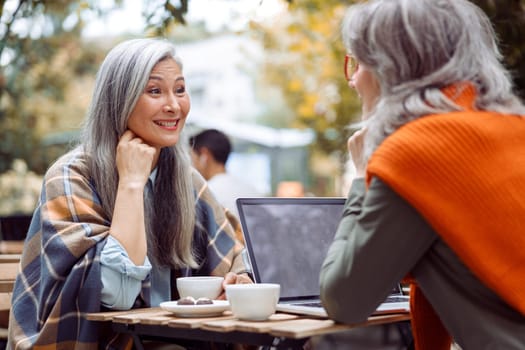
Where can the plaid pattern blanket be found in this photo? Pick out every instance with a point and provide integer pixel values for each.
(60, 278)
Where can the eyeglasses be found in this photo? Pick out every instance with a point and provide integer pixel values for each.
(350, 66)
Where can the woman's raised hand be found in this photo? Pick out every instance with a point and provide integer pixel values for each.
(135, 160)
(233, 278)
(355, 148)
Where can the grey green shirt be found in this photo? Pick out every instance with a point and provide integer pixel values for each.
(379, 240)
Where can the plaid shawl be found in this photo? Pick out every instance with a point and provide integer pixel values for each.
(60, 278)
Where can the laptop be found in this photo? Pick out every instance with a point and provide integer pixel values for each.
(287, 240)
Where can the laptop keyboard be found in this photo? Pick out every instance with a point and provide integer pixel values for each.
(389, 299)
(395, 299)
(314, 304)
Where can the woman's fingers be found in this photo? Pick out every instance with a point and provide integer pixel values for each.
(128, 135)
(134, 159)
(356, 149)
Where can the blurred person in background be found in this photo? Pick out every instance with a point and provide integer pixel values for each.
(211, 149)
(124, 214)
(441, 188)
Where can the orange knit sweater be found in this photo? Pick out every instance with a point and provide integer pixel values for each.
(465, 174)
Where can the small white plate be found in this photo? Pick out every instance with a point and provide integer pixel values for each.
(205, 310)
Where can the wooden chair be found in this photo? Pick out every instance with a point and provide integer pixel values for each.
(11, 247)
(10, 258)
(5, 306)
(8, 272)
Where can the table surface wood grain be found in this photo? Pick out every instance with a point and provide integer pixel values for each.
(279, 324)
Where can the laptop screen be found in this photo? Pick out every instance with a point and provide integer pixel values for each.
(287, 240)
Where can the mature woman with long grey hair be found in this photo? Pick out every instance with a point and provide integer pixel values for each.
(123, 214)
(441, 187)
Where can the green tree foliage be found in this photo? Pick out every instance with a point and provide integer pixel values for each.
(44, 66)
(508, 18)
(39, 60)
(307, 63)
(305, 58)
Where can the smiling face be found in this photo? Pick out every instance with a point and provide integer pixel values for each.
(160, 113)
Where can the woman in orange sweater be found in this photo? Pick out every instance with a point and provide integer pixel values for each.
(440, 193)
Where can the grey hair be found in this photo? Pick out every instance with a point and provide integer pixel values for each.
(170, 215)
(417, 47)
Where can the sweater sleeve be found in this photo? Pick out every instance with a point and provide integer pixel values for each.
(378, 241)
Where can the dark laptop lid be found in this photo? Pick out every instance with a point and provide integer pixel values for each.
(287, 240)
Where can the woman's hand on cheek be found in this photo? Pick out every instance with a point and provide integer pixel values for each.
(233, 278)
(356, 150)
(134, 160)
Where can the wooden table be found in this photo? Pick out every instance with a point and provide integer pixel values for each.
(280, 331)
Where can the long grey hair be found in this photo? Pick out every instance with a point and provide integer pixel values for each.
(170, 215)
(417, 47)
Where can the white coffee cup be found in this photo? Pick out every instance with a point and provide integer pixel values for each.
(200, 286)
(253, 302)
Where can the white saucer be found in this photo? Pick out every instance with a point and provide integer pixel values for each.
(205, 310)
